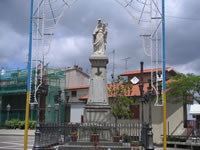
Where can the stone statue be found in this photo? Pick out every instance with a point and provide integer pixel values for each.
(97, 108)
(99, 38)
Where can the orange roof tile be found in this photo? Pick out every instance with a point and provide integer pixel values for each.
(146, 71)
(77, 87)
(135, 91)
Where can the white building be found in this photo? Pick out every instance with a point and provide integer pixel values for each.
(77, 86)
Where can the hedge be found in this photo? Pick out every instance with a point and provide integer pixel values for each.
(15, 123)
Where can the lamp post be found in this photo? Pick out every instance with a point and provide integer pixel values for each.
(59, 101)
(146, 132)
(67, 108)
(56, 109)
(32, 108)
(49, 110)
(8, 107)
(36, 145)
(150, 145)
(141, 86)
(66, 97)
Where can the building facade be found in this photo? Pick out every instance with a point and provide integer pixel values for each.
(77, 83)
(13, 84)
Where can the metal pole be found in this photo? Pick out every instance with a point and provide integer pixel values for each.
(164, 80)
(49, 112)
(56, 116)
(28, 79)
(31, 114)
(150, 133)
(38, 111)
(8, 115)
(32, 108)
(36, 145)
(142, 84)
(59, 120)
(49, 117)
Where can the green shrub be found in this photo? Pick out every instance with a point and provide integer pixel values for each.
(7, 124)
(32, 124)
(126, 138)
(22, 124)
(176, 139)
(15, 123)
(12, 124)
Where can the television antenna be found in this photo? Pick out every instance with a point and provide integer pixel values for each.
(126, 62)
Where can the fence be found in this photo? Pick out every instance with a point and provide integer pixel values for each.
(16, 114)
(53, 134)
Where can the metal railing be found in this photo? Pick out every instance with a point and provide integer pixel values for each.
(54, 134)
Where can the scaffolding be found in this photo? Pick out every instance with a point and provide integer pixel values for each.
(13, 85)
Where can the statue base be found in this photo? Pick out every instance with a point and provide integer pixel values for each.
(98, 113)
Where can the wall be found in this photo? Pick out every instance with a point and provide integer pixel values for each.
(174, 117)
(76, 112)
(76, 78)
(173, 120)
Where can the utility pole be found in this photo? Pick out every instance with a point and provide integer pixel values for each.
(28, 80)
(126, 60)
(113, 67)
(164, 80)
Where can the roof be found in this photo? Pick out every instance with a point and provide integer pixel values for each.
(168, 69)
(77, 87)
(79, 69)
(75, 100)
(195, 109)
(135, 91)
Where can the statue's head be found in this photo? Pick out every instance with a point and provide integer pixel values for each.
(99, 22)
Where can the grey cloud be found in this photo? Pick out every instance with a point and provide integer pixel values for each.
(16, 13)
(182, 36)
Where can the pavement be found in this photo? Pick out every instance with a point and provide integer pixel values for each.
(15, 142)
(14, 139)
(15, 132)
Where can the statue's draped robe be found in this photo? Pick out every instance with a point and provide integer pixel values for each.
(99, 41)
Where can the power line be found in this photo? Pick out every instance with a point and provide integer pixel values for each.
(184, 18)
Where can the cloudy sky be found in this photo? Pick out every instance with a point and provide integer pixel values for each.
(72, 43)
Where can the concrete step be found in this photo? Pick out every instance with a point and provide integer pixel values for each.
(99, 144)
(78, 147)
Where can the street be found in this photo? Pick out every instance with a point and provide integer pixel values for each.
(15, 142)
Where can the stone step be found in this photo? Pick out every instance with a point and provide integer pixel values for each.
(78, 147)
(99, 144)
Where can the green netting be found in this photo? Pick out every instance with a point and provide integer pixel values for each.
(17, 114)
(14, 83)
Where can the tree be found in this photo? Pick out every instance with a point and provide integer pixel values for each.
(119, 91)
(184, 88)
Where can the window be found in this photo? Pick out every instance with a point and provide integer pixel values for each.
(74, 93)
(135, 109)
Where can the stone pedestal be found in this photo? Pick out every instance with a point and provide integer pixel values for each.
(98, 83)
(97, 108)
(97, 113)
